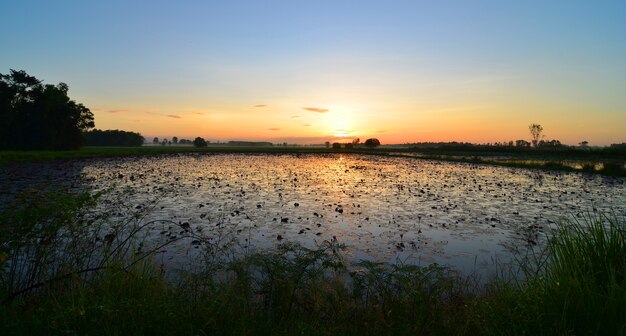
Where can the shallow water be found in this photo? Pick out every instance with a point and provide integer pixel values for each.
(383, 209)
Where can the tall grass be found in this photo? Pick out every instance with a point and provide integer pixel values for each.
(585, 284)
(578, 288)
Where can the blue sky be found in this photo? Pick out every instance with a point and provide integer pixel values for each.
(384, 68)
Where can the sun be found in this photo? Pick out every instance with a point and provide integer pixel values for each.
(340, 133)
(340, 122)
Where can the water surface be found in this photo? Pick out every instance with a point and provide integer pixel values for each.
(383, 209)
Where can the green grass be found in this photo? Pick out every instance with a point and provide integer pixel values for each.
(578, 288)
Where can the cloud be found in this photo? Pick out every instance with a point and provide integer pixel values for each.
(295, 117)
(173, 116)
(274, 129)
(306, 125)
(198, 113)
(260, 105)
(117, 111)
(316, 109)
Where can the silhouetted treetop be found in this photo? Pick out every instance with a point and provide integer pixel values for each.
(199, 142)
(37, 116)
(97, 137)
(371, 143)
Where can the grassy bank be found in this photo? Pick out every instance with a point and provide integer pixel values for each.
(62, 273)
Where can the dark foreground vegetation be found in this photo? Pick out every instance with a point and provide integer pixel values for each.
(64, 270)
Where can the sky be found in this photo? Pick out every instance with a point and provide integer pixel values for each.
(312, 71)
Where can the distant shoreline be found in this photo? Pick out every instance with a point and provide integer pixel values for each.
(593, 162)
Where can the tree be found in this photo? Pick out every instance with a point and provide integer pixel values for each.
(356, 142)
(336, 145)
(522, 143)
(97, 137)
(155, 141)
(584, 144)
(372, 143)
(327, 144)
(38, 116)
(175, 140)
(199, 142)
(535, 132)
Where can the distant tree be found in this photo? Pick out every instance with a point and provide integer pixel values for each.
(584, 144)
(356, 142)
(535, 132)
(155, 141)
(348, 145)
(522, 143)
(372, 143)
(199, 142)
(175, 140)
(336, 145)
(38, 116)
(185, 142)
(551, 144)
(97, 137)
(327, 144)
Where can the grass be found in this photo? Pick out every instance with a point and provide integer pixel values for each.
(81, 283)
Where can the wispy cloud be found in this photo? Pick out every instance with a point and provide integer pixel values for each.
(316, 109)
(117, 111)
(306, 125)
(295, 117)
(260, 105)
(274, 129)
(173, 116)
(198, 113)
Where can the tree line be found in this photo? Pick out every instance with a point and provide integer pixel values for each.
(38, 116)
(116, 138)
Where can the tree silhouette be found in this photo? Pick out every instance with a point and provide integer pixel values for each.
(97, 137)
(535, 132)
(199, 142)
(371, 143)
(37, 116)
(175, 140)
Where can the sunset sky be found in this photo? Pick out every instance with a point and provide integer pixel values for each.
(310, 71)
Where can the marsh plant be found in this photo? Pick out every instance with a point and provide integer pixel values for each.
(63, 271)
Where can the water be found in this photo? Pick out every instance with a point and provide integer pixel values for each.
(383, 209)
